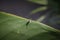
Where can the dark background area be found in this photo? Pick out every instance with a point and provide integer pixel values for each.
(23, 8)
(18, 7)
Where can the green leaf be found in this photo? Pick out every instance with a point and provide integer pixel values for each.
(17, 28)
(38, 9)
(44, 2)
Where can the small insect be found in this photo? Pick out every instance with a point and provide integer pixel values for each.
(27, 23)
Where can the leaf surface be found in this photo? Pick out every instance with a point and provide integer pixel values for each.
(14, 28)
(44, 2)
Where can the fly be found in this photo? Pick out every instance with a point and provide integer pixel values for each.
(27, 23)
